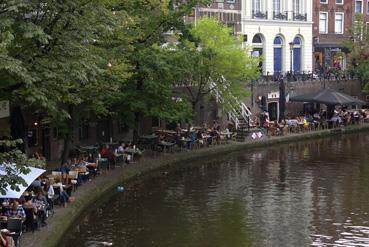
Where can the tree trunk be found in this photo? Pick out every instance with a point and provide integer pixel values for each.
(138, 115)
(69, 135)
(136, 130)
(17, 127)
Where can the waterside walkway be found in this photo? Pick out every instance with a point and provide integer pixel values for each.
(95, 190)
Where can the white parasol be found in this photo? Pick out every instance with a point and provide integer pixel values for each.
(28, 178)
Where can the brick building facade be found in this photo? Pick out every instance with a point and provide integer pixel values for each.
(227, 11)
(332, 21)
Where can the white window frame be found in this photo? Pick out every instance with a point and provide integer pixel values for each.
(254, 6)
(343, 1)
(342, 23)
(297, 9)
(326, 23)
(280, 6)
(362, 6)
(324, 1)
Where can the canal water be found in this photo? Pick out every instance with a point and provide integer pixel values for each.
(313, 193)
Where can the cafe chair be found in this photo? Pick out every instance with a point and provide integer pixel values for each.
(73, 177)
(14, 225)
(56, 199)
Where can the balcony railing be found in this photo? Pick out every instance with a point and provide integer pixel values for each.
(259, 15)
(299, 17)
(280, 15)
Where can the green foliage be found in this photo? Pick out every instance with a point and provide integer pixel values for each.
(8, 158)
(212, 55)
(149, 90)
(359, 51)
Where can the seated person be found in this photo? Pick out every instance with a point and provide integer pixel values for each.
(105, 152)
(31, 213)
(16, 211)
(36, 184)
(108, 154)
(40, 202)
(6, 239)
(38, 156)
(49, 191)
(65, 198)
(91, 164)
(64, 169)
(121, 148)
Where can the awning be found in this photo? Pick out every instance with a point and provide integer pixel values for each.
(28, 178)
(328, 97)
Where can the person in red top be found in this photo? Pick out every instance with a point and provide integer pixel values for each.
(105, 152)
(5, 241)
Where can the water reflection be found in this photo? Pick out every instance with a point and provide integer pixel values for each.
(310, 193)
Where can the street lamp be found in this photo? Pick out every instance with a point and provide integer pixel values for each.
(291, 49)
(254, 54)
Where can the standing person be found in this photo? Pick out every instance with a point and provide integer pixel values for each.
(178, 134)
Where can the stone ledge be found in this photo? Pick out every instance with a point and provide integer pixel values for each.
(97, 189)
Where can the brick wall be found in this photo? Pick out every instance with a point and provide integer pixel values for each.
(331, 8)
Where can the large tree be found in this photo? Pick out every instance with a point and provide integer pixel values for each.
(211, 59)
(149, 91)
(359, 51)
(57, 55)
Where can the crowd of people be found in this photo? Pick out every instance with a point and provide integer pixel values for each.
(36, 204)
(189, 137)
(318, 120)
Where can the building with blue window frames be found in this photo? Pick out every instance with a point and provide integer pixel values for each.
(270, 26)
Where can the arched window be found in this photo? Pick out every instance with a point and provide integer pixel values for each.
(258, 47)
(257, 39)
(297, 41)
(278, 40)
(297, 44)
(277, 56)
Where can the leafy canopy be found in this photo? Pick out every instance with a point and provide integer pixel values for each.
(212, 58)
(359, 51)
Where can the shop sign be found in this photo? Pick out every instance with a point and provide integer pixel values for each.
(273, 95)
(4, 109)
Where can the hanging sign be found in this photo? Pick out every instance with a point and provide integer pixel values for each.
(4, 109)
(273, 95)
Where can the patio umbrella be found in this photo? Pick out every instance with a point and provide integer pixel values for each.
(329, 97)
(29, 178)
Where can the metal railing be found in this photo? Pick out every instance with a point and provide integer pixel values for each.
(280, 15)
(259, 15)
(330, 74)
(299, 16)
(236, 109)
